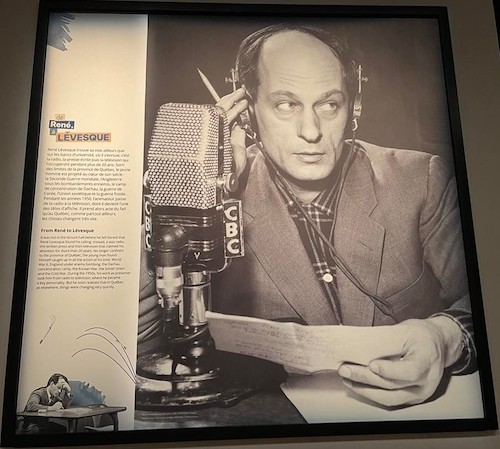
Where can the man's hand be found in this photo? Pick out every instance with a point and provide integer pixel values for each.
(234, 104)
(66, 386)
(428, 346)
(54, 407)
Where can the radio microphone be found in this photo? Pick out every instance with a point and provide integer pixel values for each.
(191, 228)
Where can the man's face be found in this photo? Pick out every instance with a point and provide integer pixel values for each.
(301, 107)
(56, 388)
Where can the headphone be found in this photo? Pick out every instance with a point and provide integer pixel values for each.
(357, 106)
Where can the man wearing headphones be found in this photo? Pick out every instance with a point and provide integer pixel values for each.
(341, 231)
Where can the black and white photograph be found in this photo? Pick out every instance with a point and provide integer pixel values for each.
(257, 223)
(337, 230)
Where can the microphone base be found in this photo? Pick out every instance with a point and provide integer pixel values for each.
(236, 378)
(156, 389)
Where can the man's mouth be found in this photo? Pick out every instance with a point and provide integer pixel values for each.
(309, 157)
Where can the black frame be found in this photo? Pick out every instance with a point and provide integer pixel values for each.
(9, 437)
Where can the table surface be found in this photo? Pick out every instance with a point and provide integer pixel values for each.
(76, 412)
(264, 408)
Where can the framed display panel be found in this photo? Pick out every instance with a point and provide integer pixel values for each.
(333, 290)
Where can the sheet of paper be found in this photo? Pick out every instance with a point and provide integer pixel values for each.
(304, 348)
(322, 398)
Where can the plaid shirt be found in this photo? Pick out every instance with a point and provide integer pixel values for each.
(322, 210)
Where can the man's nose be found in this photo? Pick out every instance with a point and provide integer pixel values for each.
(309, 127)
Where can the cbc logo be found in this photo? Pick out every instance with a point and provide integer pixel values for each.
(232, 230)
(147, 222)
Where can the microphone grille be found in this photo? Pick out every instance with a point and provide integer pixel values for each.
(184, 159)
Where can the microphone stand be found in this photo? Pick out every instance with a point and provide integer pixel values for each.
(183, 370)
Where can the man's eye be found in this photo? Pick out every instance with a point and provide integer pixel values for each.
(328, 108)
(286, 106)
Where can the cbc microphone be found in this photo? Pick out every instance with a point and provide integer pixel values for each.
(186, 213)
(191, 228)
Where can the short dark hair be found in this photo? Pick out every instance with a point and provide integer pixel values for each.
(55, 378)
(247, 61)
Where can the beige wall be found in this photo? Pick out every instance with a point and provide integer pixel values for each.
(477, 64)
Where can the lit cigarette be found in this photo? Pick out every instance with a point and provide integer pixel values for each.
(209, 86)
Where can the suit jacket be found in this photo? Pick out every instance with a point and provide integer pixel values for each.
(398, 229)
(39, 399)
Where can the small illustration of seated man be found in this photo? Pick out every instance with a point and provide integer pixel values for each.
(59, 394)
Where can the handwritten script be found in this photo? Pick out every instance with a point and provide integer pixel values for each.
(306, 349)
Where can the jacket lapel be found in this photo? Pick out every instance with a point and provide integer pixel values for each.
(46, 396)
(279, 248)
(359, 240)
